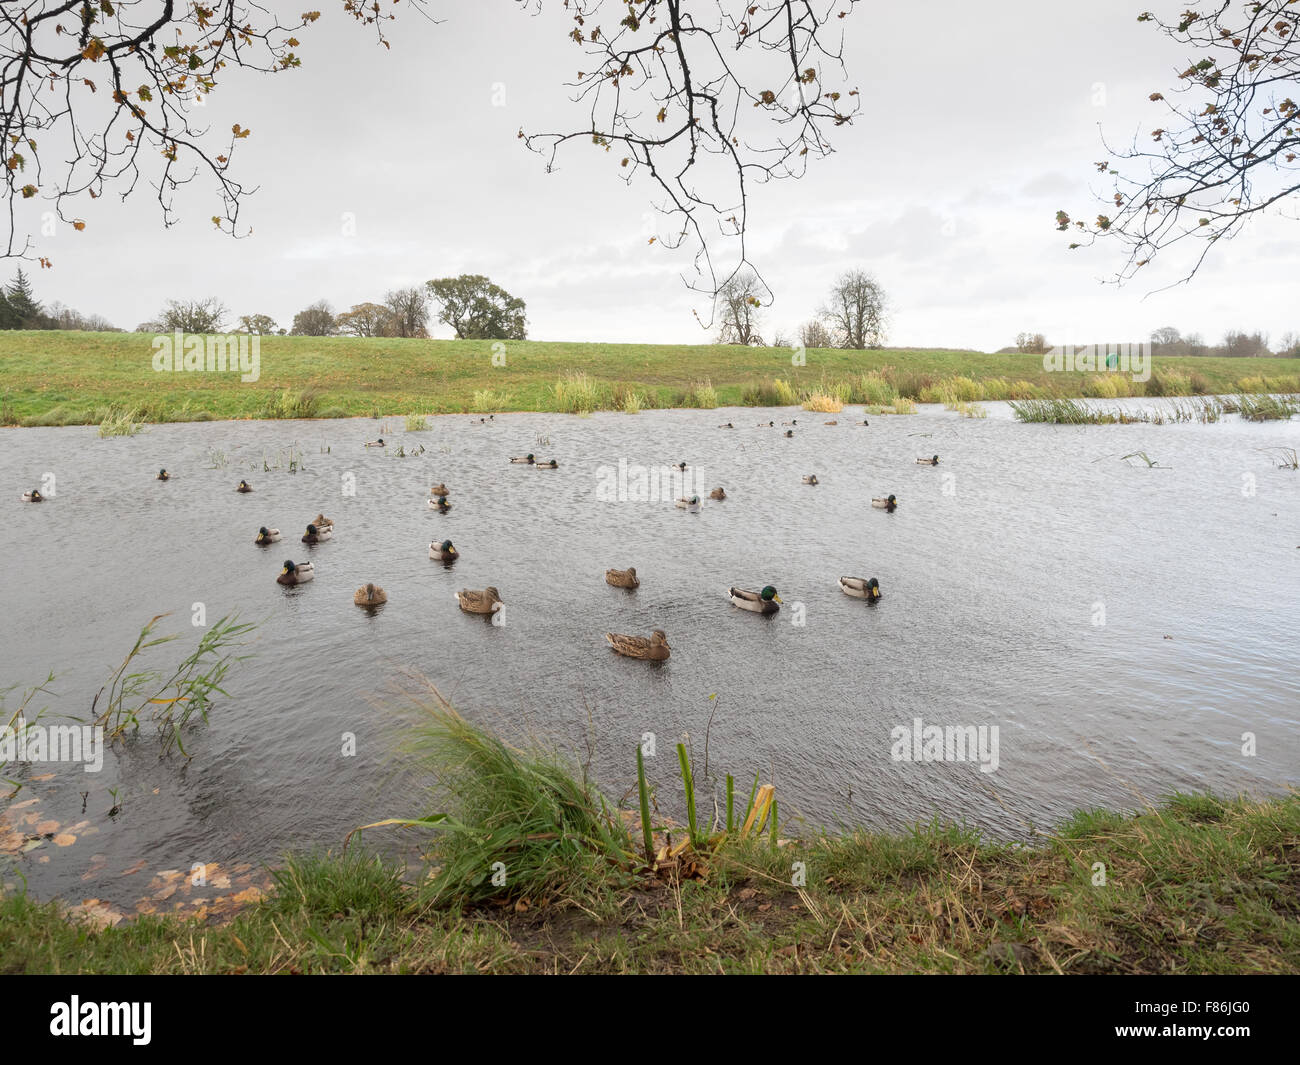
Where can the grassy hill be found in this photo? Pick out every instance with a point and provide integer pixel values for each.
(58, 378)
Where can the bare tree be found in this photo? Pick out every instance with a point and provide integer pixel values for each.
(1228, 146)
(739, 302)
(315, 321)
(364, 320)
(814, 334)
(408, 312)
(703, 99)
(855, 311)
(1031, 343)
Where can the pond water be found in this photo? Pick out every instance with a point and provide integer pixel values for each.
(1122, 625)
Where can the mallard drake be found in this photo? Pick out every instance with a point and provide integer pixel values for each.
(718, 493)
(861, 587)
(443, 552)
(934, 461)
(811, 478)
(865, 422)
(438, 489)
(267, 536)
(440, 504)
(789, 432)
(485, 602)
(727, 426)
(316, 535)
(527, 460)
(370, 595)
(792, 421)
(243, 486)
(653, 647)
(322, 522)
(552, 465)
(692, 504)
(765, 425)
(764, 602)
(681, 467)
(376, 443)
(34, 496)
(163, 475)
(888, 504)
(622, 578)
(296, 573)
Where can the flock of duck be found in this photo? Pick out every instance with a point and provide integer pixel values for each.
(488, 600)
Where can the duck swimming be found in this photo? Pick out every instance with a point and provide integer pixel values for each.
(370, 595)
(443, 552)
(928, 462)
(34, 496)
(811, 478)
(440, 504)
(764, 602)
(267, 536)
(438, 489)
(316, 535)
(296, 573)
(243, 486)
(692, 504)
(718, 493)
(654, 648)
(727, 426)
(527, 460)
(487, 601)
(889, 504)
(322, 522)
(376, 443)
(552, 465)
(789, 432)
(861, 587)
(622, 578)
(163, 475)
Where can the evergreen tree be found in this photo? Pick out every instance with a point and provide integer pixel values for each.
(23, 308)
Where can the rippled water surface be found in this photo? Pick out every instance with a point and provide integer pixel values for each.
(996, 569)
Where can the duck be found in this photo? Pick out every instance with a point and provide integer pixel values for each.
(792, 421)
(622, 578)
(889, 503)
(861, 587)
(718, 493)
(765, 425)
(681, 466)
(928, 462)
(322, 522)
(376, 443)
(764, 602)
(440, 504)
(789, 432)
(552, 465)
(865, 422)
(653, 647)
(316, 535)
(34, 496)
(811, 478)
(485, 602)
(444, 551)
(267, 536)
(243, 486)
(834, 422)
(692, 504)
(727, 426)
(527, 460)
(438, 489)
(370, 595)
(163, 475)
(296, 572)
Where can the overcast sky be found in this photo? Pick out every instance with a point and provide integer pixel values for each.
(979, 121)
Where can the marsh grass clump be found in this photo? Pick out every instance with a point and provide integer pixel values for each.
(578, 393)
(904, 405)
(304, 403)
(629, 401)
(488, 401)
(823, 403)
(968, 410)
(1064, 412)
(1167, 383)
(170, 698)
(1266, 407)
(416, 423)
(761, 394)
(703, 395)
(873, 389)
(787, 396)
(119, 421)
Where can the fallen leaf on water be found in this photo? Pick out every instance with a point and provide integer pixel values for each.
(25, 802)
(97, 913)
(43, 776)
(47, 827)
(64, 839)
(134, 869)
(32, 844)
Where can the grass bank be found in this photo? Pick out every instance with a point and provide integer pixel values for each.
(1197, 885)
(69, 378)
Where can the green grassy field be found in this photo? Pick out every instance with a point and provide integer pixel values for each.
(64, 378)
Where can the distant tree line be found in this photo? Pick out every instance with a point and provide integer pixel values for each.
(20, 309)
(853, 316)
(1169, 342)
